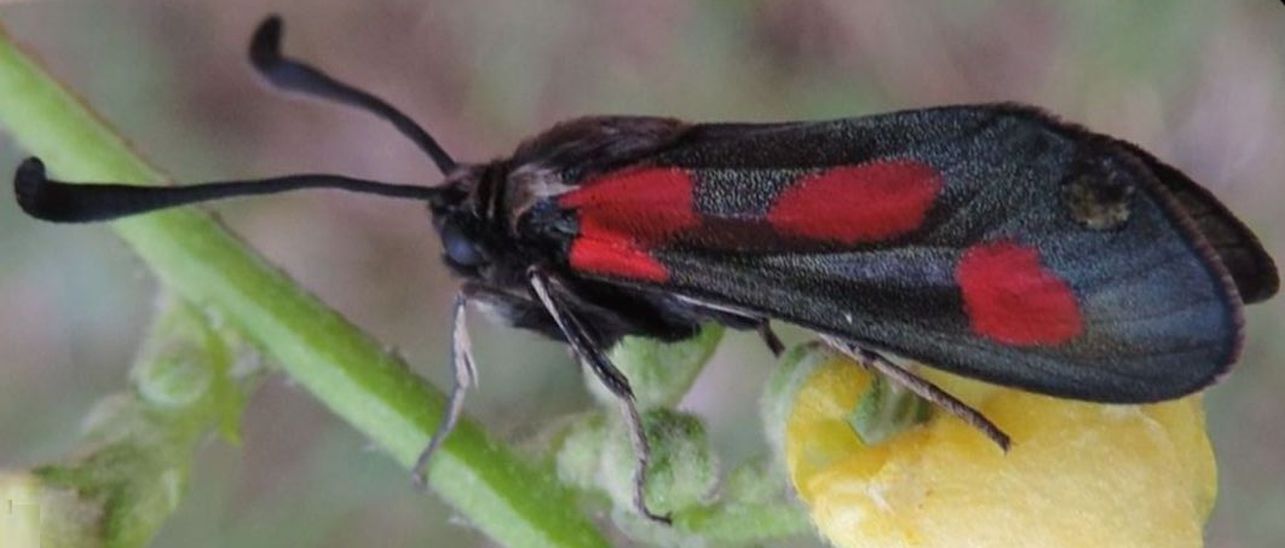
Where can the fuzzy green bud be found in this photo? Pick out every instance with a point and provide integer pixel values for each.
(660, 373)
(683, 471)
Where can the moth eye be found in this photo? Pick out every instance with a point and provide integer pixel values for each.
(1099, 199)
(461, 249)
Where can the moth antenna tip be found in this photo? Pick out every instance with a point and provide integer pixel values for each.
(265, 45)
(28, 181)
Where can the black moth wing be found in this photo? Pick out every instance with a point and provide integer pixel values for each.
(1160, 311)
(1251, 268)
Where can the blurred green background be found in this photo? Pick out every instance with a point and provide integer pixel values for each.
(1199, 83)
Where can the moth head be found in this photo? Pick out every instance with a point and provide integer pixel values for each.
(459, 215)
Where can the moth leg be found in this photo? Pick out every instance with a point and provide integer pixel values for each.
(770, 338)
(739, 319)
(923, 389)
(584, 344)
(465, 378)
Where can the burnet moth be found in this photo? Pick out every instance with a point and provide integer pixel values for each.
(992, 241)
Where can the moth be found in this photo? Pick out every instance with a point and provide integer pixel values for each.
(992, 241)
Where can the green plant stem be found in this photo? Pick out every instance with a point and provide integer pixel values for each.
(737, 523)
(513, 501)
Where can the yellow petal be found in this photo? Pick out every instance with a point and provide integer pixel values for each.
(1078, 474)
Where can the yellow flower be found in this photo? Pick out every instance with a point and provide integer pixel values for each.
(1078, 474)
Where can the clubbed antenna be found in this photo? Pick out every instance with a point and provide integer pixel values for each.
(291, 75)
(59, 202)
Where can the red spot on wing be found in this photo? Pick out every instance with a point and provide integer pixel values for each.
(1009, 297)
(626, 214)
(616, 258)
(646, 206)
(857, 204)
